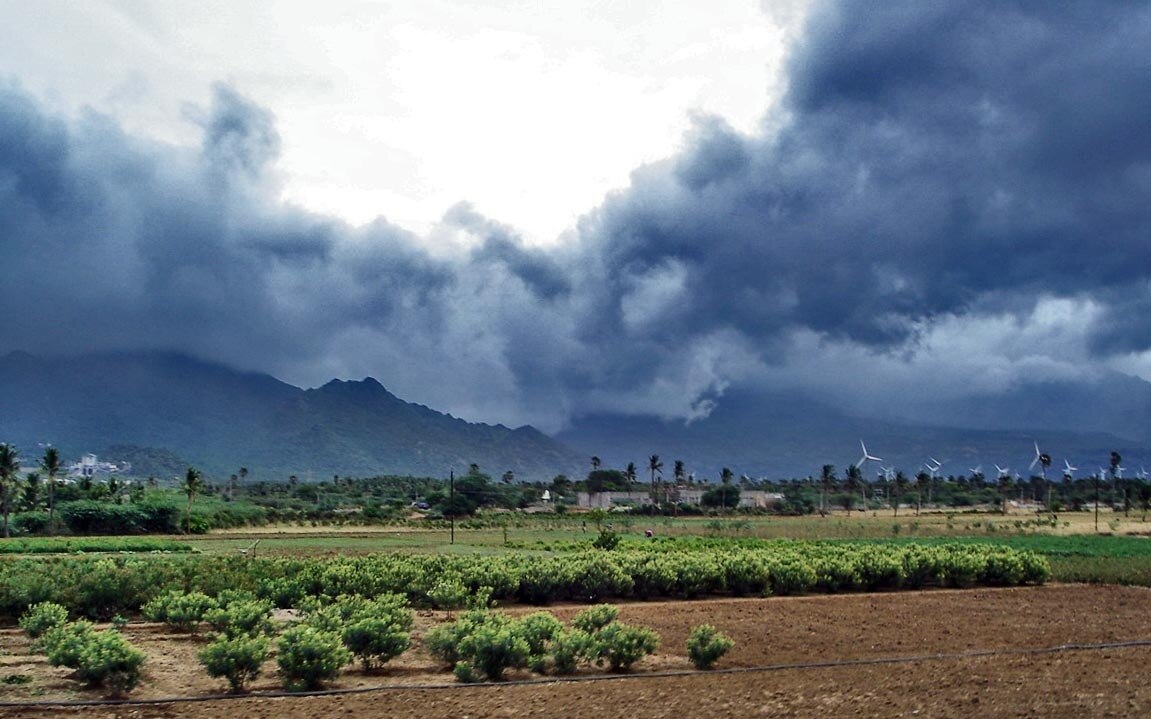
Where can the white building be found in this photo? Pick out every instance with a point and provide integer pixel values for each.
(89, 466)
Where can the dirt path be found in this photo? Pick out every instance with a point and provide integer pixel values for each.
(774, 631)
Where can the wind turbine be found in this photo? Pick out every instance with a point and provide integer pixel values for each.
(1041, 458)
(933, 465)
(976, 471)
(866, 456)
(1068, 469)
(1142, 474)
(1003, 471)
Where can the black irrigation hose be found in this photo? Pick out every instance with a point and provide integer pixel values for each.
(831, 663)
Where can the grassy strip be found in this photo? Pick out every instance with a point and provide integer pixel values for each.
(68, 545)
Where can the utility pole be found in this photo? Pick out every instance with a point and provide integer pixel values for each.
(452, 503)
(1097, 501)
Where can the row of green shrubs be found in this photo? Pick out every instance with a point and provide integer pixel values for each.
(151, 516)
(103, 587)
(481, 644)
(100, 658)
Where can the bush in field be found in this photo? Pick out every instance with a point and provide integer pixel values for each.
(64, 643)
(238, 659)
(538, 630)
(448, 594)
(494, 647)
(107, 659)
(344, 609)
(595, 618)
(241, 618)
(607, 540)
(181, 611)
(307, 656)
(465, 673)
(375, 640)
(1036, 569)
(283, 592)
(706, 645)
(622, 645)
(443, 642)
(41, 617)
(571, 647)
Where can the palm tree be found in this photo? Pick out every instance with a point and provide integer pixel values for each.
(900, 485)
(595, 463)
(656, 467)
(9, 476)
(50, 463)
(678, 472)
(826, 478)
(193, 483)
(725, 477)
(630, 473)
(923, 479)
(31, 499)
(853, 482)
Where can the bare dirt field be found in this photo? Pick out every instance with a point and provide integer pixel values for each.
(903, 628)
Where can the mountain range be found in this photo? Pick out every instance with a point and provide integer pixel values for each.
(163, 411)
(219, 419)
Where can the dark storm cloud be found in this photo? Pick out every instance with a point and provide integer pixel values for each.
(934, 154)
(500, 244)
(930, 160)
(114, 243)
(238, 134)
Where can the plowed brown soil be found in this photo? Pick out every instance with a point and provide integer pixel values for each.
(768, 632)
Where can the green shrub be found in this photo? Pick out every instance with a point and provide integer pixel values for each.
(595, 618)
(241, 618)
(537, 630)
(607, 540)
(443, 642)
(108, 659)
(465, 673)
(448, 594)
(41, 617)
(307, 656)
(238, 658)
(706, 645)
(64, 643)
(569, 648)
(622, 645)
(375, 640)
(494, 647)
(181, 611)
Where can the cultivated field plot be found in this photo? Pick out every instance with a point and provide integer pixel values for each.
(768, 632)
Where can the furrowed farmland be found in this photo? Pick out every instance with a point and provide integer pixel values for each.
(507, 622)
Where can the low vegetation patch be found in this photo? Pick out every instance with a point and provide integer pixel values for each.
(90, 545)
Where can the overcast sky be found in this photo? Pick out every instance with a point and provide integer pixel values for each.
(523, 213)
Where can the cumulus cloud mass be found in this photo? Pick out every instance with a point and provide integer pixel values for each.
(953, 194)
